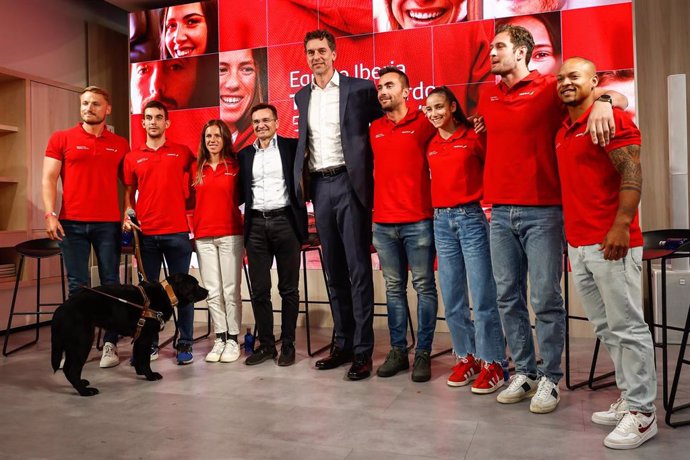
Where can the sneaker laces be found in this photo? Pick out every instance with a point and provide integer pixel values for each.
(516, 381)
(423, 356)
(218, 346)
(109, 351)
(615, 407)
(544, 388)
(628, 422)
(232, 344)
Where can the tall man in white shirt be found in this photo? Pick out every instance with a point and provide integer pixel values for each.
(275, 225)
(334, 149)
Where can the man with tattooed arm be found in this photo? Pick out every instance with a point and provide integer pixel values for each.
(601, 192)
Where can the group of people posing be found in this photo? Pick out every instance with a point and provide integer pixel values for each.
(547, 153)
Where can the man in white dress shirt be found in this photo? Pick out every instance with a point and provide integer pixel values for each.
(275, 225)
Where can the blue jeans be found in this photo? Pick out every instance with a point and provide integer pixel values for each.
(529, 240)
(177, 250)
(462, 244)
(105, 237)
(400, 245)
(611, 293)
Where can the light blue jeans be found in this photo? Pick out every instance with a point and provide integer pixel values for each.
(528, 240)
(400, 246)
(611, 293)
(462, 244)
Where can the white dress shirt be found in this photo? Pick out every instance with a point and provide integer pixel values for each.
(325, 147)
(269, 189)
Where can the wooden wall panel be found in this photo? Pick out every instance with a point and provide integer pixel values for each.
(661, 48)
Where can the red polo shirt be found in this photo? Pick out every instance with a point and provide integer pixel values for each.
(159, 176)
(521, 125)
(457, 165)
(402, 186)
(217, 210)
(90, 170)
(589, 181)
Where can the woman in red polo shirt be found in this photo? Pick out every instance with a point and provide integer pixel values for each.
(218, 232)
(461, 232)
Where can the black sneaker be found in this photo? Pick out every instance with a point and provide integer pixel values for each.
(421, 370)
(263, 353)
(395, 362)
(287, 354)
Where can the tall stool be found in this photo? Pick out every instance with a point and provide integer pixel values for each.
(38, 249)
(671, 409)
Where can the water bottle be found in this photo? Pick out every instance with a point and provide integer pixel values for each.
(248, 342)
(506, 371)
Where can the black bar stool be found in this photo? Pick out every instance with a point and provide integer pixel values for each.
(597, 345)
(670, 410)
(38, 249)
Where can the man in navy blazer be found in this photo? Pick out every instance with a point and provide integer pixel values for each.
(334, 166)
(275, 225)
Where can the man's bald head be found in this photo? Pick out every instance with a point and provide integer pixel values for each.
(577, 80)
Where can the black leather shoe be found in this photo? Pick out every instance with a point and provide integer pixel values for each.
(260, 355)
(361, 368)
(335, 359)
(287, 355)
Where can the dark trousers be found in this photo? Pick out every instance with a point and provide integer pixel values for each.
(177, 250)
(271, 237)
(344, 227)
(105, 237)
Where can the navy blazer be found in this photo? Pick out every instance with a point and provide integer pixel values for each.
(359, 106)
(298, 212)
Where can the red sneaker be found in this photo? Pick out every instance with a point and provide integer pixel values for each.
(490, 379)
(464, 371)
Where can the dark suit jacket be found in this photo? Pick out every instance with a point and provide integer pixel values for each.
(298, 212)
(359, 106)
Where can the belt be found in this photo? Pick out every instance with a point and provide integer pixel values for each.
(330, 172)
(267, 214)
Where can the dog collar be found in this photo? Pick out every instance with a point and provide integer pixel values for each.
(171, 294)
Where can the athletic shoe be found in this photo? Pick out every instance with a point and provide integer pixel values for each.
(395, 362)
(634, 429)
(612, 416)
(184, 354)
(464, 372)
(110, 357)
(154, 352)
(520, 387)
(213, 356)
(231, 352)
(489, 380)
(546, 398)
(421, 369)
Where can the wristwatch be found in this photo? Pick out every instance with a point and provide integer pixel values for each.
(51, 213)
(606, 98)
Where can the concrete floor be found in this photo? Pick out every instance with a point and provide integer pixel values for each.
(224, 411)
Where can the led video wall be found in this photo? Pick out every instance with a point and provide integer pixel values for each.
(217, 58)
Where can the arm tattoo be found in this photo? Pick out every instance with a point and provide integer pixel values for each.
(626, 160)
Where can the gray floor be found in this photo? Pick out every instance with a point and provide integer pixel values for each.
(217, 411)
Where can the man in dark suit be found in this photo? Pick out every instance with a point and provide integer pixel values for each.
(275, 225)
(334, 154)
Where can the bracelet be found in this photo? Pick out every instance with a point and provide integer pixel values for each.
(48, 214)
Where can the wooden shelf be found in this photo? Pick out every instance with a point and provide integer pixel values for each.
(8, 129)
(8, 180)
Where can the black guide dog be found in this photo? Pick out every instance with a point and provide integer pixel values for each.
(74, 322)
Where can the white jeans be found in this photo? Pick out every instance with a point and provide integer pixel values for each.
(220, 265)
(611, 294)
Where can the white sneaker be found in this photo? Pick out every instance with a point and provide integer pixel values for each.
(110, 357)
(154, 352)
(231, 352)
(612, 416)
(546, 398)
(520, 387)
(213, 356)
(634, 429)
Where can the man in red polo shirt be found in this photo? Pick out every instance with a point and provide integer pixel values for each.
(522, 114)
(158, 171)
(601, 192)
(403, 226)
(87, 158)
